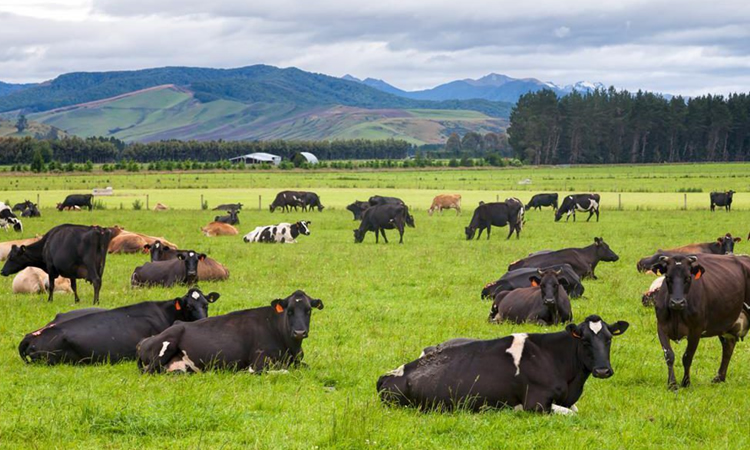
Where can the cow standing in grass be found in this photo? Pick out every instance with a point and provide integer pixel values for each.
(722, 199)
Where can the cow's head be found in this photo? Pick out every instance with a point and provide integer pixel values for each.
(727, 243)
(409, 219)
(191, 259)
(488, 291)
(603, 251)
(59, 206)
(548, 282)
(359, 236)
(157, 250)
(730, 193)
(296, 310)
(194, 305)
(303, 227)
(18, 259)
(272, 207)
(596, 338)
(679, 273)
(13, 221)
(470, 232)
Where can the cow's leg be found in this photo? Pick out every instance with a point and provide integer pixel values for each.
(489, 228)
(401, 234)
(510, 231)
(51, 287)
(382, 231)
(727, 348)
(687, 358)
(480, 232)
(591, 213)
(712, 206)
(597, 214)
(666, 347)
(73, 286)
(97, 283)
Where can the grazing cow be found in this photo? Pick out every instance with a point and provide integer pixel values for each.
(702, 296)
(311, 200)
(31, 211)
(71, 251)
(208, 270)
(376, 200)
(229, 207)
(358, 208)
(79, 200)
(445, 201)
(5, 247)
(8, 219)
(545, 302)
(540, 200)
(33, 280)
(219, 229)
(284, 233)
(286, 200)
(542, 372)
(498, 214)
(132, 242)
(110, 335)
(384, 217)
(521, 278)
(253, 339)
(722, 199)
(582, 260)
(724, 245)
(183, 270)
(231, 218)
(580, 202)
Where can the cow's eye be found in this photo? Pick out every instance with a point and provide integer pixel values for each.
(290, 312)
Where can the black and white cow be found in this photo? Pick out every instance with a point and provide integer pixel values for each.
(284, 233)
(8, 219)
(286, 200)
(722, 199)
(543, 372)
(580, 202)
(94, 336)
(254, 340)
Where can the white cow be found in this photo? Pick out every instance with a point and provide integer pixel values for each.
(32, 280)
(285, 233)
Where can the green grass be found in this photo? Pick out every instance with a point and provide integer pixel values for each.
(383, 304)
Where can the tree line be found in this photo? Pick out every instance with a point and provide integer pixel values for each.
(610, 126)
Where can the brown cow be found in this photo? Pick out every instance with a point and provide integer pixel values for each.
(161, 207)
(33, 280)
(131, 242)
(6, 246)
(702, 296)
(219, 229)
(446, 201)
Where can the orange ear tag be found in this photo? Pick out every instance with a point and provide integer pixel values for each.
(698, 275)
(279, 308)
(576, 335)
(534, 283)
(177, 306)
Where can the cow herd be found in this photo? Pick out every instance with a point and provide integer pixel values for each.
(703, 291)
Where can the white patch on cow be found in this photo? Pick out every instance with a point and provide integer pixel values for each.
(191, 254)
(678, 264)
(157, 245)
(656, 285)
(594, 205)
(183, 364)
(516, 350)
(556, 409)
(196, 295)
(574, 408)
(298, 300)
(421, 355)
(596, 327)
(164, 346)
(399, 372)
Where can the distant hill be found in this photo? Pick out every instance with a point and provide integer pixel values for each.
(173, 112)
(8, 88)
(34, 129)
(493, 87)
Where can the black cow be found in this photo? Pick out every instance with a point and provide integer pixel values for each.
(722, 199)
(228, 207)
(705, 296)
(498, 214)
(70, 251)
(253, 339)
(545, 302)
(80, 200)
(521, 278)
(540, 200)
(31, 211)
(231, 218)
(21, 207)
(311, 200)
(286, 200)
(384, 217)
(542, 372)
(358, 208)
(724, 245)
(381, 200)
(8, 219)
(580, 202)
(582, 260)
(183, 270)
(110, 335)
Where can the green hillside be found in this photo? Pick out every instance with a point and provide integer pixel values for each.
(170, 112)
(34, 129)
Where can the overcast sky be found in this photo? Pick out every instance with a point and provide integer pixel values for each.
(682, 47)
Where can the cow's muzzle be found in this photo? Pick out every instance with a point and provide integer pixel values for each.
(605, 372)
(299, 334)
(549, 301)
(677, 304)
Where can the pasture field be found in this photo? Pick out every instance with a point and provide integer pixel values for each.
(383, 304)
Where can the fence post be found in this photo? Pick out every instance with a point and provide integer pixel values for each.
(619, 202)
(147, 208)
(37, 201)
(259, 207)
(201, 202)
(497, 197)
(685, 207)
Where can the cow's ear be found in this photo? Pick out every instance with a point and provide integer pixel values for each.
(316, 303)
(279, 305)
(181, 256)
(202, 257)
(697, 270)
(720, 240)
(572, 329)
(618, 327)
(737, 239)
(212, 297)
(535, 280)
(597, 241)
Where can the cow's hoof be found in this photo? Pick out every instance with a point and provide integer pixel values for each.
(672, 386)
(718, 379)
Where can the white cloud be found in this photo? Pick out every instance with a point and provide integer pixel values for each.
(562, 32)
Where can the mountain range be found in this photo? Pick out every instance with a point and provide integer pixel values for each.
(263, 102)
